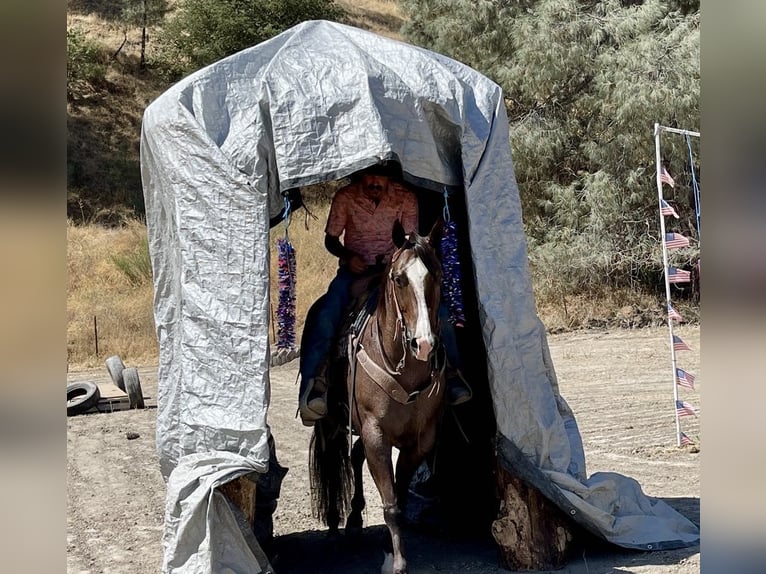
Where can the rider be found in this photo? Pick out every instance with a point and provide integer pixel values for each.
(364, 212)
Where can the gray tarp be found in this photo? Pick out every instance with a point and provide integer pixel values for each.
(315, 103)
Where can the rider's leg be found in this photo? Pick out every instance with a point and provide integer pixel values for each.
(316, 346)
(458, 391)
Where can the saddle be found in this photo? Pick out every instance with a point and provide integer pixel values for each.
(364, 299)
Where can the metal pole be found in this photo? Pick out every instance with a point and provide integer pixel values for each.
(657, 128)
(95, 333)
(676, 130)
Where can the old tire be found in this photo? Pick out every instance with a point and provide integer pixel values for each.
(115, 367)
(81, 397)
(133, 388)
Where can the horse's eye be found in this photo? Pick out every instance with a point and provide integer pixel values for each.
(400, 280)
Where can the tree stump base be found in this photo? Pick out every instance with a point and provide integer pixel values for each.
(241, 492)
(531, 532)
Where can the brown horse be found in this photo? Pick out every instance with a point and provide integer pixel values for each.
(395, 384)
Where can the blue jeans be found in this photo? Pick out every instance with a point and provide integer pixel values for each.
(331, 309)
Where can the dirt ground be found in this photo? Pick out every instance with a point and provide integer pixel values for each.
(617, 383)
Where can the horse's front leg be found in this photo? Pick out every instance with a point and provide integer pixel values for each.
(378, 451)
(408, 462)
(354, 522)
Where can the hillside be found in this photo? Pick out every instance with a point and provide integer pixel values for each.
(104, 117)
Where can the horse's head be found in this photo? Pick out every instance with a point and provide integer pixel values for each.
(414, 280)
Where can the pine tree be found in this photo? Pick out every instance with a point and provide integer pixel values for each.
(584, 82)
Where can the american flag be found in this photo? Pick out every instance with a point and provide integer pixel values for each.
(665, 177)
(679, 345)
(685, 379)
(685, 440)
(673, 314)
(678, 275)
(684, 409)
(667, 209)
(675, 240)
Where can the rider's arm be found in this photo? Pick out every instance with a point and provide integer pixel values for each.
(334, 246)
(352, 259)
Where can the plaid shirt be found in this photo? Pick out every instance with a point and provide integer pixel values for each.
(367, 227)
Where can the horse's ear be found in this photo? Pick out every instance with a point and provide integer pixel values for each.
(397, 234)
(435, 236)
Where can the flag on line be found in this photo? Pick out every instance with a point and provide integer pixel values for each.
(685, 440)
(667, 209)
(665, 177)
(679, 345)
(684, 409)
(685, 379)
(673, 314)
(678, 275)
(675, 240)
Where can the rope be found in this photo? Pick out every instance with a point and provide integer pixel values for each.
(695, 185)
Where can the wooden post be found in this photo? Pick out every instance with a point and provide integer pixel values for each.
(95, 333)
(531, 532)
(241, 492)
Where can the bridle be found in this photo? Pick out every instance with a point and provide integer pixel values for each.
(401, 325)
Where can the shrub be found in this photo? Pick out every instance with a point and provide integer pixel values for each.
(204, 31)
(136, 264)
(85, 65)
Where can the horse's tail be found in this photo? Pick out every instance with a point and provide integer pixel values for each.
(330, 472)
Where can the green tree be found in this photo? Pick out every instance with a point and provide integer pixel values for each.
(584, 82)
(204, 31)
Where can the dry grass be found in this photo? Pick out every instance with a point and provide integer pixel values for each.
(96, 287)
(99, 286)
(383, 17)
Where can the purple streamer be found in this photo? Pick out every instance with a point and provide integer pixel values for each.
(286, 273)
(451, 278)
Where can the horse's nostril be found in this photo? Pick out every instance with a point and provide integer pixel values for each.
(414, 344)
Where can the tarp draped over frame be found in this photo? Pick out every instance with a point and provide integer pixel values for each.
(312, 104)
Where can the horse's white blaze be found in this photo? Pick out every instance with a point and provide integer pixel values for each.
(416, 274)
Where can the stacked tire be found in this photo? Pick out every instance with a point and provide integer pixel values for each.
(83, 396)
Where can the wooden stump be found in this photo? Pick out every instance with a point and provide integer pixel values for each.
(531, 532)
(241, 492)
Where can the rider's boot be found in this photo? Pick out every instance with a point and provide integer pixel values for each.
(458, 390)
(313, 401)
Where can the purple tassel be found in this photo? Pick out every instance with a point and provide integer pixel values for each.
(286, 306)
(453, 296)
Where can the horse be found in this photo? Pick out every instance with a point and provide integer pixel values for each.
(391, 391)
